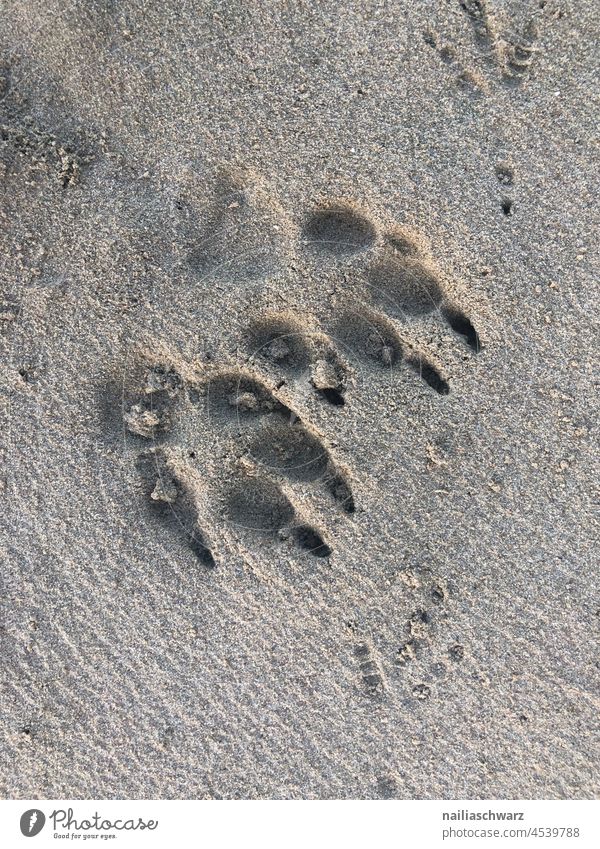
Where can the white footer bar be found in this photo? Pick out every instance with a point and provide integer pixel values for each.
(389, 824)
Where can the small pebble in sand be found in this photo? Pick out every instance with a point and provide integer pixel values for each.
(406, 653)
(141, 421)
(245, 401)
(324, 375)
(421, 692)
(162, 380)
(164, 490)
(278, 350)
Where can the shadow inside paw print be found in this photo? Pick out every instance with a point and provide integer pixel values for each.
(273, 435)
(260, 505)
(270, 452)
(339, 229)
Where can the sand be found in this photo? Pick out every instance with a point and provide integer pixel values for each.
(298, 348)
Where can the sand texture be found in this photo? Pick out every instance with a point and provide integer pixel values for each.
(298, 399)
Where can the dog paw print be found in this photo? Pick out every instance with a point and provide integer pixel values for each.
(282, 344)
(234, 446)
(403, 288)
(400, 291)
(266, 450)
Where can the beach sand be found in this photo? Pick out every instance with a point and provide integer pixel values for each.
(299, 336)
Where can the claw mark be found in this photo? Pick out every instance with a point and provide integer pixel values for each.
(428, 372)
(459, 322)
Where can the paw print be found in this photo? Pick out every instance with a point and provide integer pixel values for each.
(266, 447)
(227, 444)
(403, 288)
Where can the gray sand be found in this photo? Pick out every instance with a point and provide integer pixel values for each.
(298, 347)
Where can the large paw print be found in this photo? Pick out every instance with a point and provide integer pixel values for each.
(227, 443)
(264, 444)
(402, 289)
